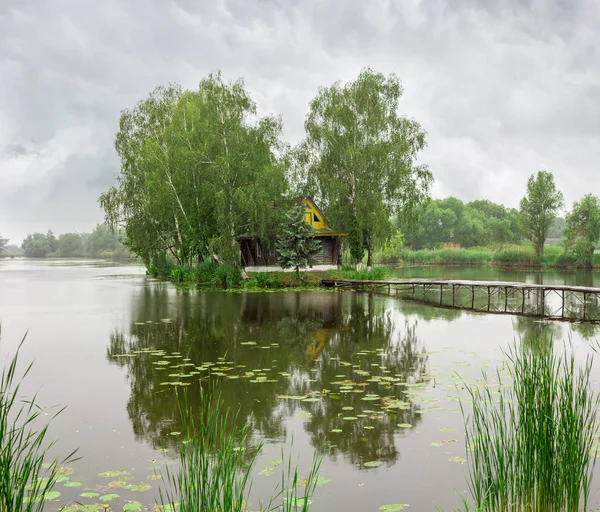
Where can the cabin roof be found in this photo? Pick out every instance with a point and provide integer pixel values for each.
(297, 201)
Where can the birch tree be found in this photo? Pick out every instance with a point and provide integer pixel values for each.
(198, 168)
(360, 158)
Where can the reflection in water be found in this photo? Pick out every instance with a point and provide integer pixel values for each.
(343, 362)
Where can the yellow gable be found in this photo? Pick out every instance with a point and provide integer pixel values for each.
(313, 216)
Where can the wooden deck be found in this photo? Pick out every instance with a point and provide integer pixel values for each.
(558, 302)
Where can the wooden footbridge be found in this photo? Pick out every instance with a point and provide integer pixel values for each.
(557, 302)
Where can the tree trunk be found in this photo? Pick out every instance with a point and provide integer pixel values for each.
(369, 252)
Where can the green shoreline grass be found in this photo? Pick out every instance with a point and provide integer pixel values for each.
(521, 256)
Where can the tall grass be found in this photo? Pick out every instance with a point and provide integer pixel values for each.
(506, 255)
(214, 472)
(532, 444)
(24, 446)
(216, 462)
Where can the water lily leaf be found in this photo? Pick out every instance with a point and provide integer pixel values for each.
(393, 507)
(266, 472)
(134, 505)
(73, 484)
(447, 429)
(336, 430)
(442, 443)
(113, 473)
(274, 463)
(109, 497)
(38, 484)
(137, 488)
(373, 464)
(350, 418)
(83, 508)
(153, 477)
(62, 478)
(50, 495)
(298, 502)
(89, 494)
(318, 481)
(404, 425)
(457, 459)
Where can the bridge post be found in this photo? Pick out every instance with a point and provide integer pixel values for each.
(453, 295)
(505, 299)
(441, 293)
(584, 305)
(523, 304)
(472, 296)
(489, 297)
(562, 308)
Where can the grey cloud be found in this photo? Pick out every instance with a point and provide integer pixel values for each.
(503, 87)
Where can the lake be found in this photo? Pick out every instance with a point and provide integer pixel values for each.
(358, 378)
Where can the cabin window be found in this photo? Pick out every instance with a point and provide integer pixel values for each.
(316, 218)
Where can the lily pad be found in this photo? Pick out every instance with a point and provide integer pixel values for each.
(73, 484)
(113, 473)
(137, 488)
(274, 463)
(89, 495)
(373, 464)
(266, 472)
(134, 505)
(393, 507)
(404, 425)
(460, 460)
(109, 497)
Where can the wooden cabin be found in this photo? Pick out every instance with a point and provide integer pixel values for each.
(252, 254)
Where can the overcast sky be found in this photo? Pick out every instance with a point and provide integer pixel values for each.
(503, 88)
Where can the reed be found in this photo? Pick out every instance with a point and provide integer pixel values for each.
(216, 463)
(532, 445)
(25, 480)
(214, 471)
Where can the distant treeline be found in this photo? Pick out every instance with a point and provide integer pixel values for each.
(100, 243)
(480, 223)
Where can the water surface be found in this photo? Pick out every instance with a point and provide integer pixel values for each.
(356, 377)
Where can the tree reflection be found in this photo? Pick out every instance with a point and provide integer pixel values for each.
(261, 349)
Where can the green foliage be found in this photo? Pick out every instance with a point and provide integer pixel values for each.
(450, 221)
(70, 245)
(102, 240)
(372, 274)
(214, 467)
(24, 446)
(518, 255)
(582, 230)
(216, 462)
(393, 245)
(448, 256)
(532, 444)
(198, 169)
(266, 280)
(295, 244)
(539, 207)
(3, 244)
(359, 158)
(100, 243)
(208, 272)
(38, 245)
